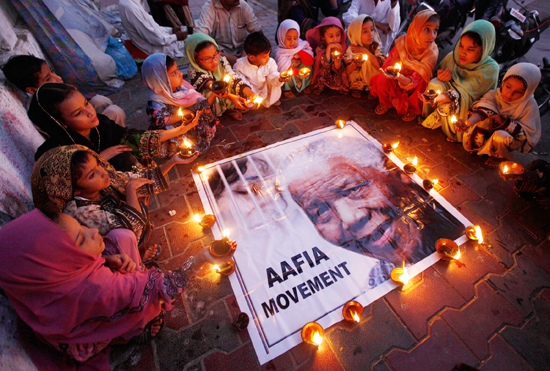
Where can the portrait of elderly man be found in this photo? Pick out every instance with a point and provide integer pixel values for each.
(355, 203)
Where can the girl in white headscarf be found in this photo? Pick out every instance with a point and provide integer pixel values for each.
(294, 53)
(506, 119)
(364, 56)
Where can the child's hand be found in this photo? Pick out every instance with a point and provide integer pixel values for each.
(425, 99)
(184, 128)
(284, 79)
(389, 76)
(134, 184)
(113, 151)
(177, 159)
(462, 125)
(120, 262)
(358, 49)
(444, 75)
(239, 102)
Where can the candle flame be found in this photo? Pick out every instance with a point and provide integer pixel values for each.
(355, 316)
(180, 112)
(435, 181)
(415, 161)
(341, 123)
(216, 268)
(258, 100)
(365, 57)
(187, 143)
(453, 119)
(405, 276)
(317, 339)
(304, 71)
(197, 218)
(395, 145)
(457, 256)
(336, 53)
(290, 72)
(200, 169)
(397, 66)
(438, 92)
(227, 78)
(225, 232)
(479, 235)
(505, 170)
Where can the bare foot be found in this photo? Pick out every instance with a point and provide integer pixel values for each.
(155, 329)
(149, 253)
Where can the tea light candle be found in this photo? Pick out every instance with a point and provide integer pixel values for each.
(185, 148)
(206, 221)
(510, 169)
(352, 311)
(335, 54)
(429, 184)
(227, 268)
(340, 124)
(453, 119)
(389, 147)
(448, 249)
(227, 78)
(400, 275)
(312, 333)
(474, 233)
(410, 168)
(287, 73)
(394, 71)
(304, 72)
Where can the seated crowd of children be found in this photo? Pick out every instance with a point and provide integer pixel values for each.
(94, 169)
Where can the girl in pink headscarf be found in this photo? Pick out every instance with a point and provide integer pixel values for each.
(328, 40)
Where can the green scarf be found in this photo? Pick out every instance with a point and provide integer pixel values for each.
(191, 44)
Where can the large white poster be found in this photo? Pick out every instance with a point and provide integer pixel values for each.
(319, 220)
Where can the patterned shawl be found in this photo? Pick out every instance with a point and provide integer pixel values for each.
(191, 44)
(51, 180)
(524, 110)
(411, 54)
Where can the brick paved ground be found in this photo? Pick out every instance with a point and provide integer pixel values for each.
(491, 310)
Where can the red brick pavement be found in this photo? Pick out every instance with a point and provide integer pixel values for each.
(491, 310)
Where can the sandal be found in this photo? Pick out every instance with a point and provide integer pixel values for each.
(288, 94)
(154, 257)
(408, 116)
(381, 109)
(145, 336)
(235, 114)
(356, 93)
(371, 97)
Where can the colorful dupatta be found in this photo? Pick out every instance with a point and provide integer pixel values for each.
(411, 54)
(283, 55)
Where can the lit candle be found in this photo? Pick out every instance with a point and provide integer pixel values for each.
(505, 170)
(206, 221)
(453, 119)
(365, 57)
(312, 333)
(389, 147)
(429, 184)
(352, 311)
(448, 249)
(411, 167)
(397, 67)
(474, 233)
(180, 112)
(340, 124)
(227, 78)
(197, 218)
(479, 235)
(438, 92)
(415, 161)
(400, 275)
(435, 181)
(258, 100)
(216, 268)
(335, 53)
(287, 73)
(304, 72)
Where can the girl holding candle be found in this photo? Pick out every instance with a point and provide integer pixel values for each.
(464, 75)
(329, 41)
(207, 66)
(365, 44)
(293, 53)
(168, 93)
(506, 119)
(417, 53)
(66, 117)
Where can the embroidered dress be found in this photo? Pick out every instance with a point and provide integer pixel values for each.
(163, 103)
(360, 78)
(417, 63)
(325, 73)
(200, 77)
(297, 58)
(468, 83)
(520, 126)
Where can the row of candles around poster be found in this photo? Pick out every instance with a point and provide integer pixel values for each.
(448, 249)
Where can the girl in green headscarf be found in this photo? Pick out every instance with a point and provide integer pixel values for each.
(463, 76)
(207, 66)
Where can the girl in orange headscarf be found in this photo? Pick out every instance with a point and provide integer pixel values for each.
(417, 53)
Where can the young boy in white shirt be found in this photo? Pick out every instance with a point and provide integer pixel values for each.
(260, 71)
